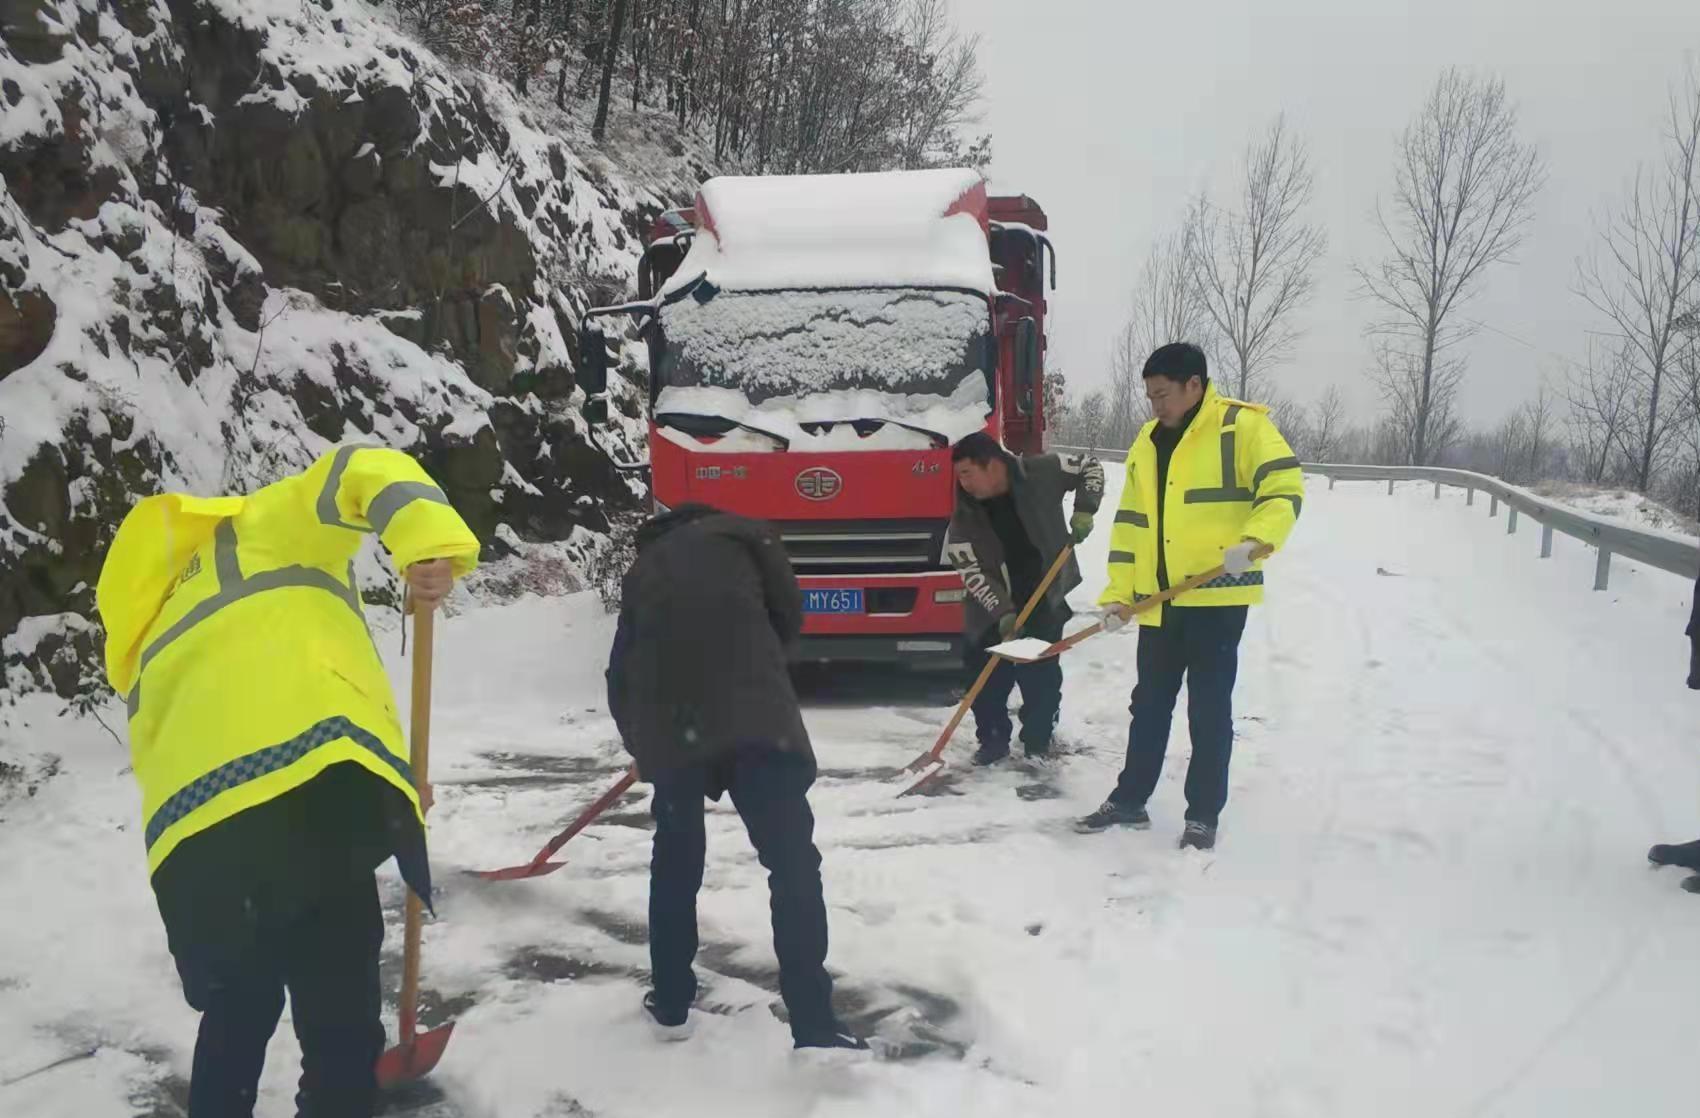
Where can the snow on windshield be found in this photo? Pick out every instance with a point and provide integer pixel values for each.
(823, 420)
(792, 343)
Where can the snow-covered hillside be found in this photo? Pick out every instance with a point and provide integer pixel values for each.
(236, 232)
(1430, 895)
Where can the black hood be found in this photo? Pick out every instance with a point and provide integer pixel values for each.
(657, 526)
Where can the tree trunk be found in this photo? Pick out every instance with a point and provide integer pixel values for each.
(685, 98)
(637, 54)
(1419, 444)
(610, 52)
(566, 47)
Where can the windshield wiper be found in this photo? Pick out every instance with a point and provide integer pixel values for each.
(697, 423)
(938, 438)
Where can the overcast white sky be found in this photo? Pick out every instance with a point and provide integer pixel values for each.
(1112, 112)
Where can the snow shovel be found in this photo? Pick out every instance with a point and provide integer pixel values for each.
(929, 764)
(418, 1052)
(541, 864)
(1022, 652)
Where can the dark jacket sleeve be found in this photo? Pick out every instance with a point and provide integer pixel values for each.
(780, 592)
(1083, 474)
(617, 675)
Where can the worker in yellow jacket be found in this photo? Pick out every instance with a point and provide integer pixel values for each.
(1210, 482)
(272, 765)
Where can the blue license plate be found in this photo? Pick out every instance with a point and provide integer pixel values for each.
(832, 601)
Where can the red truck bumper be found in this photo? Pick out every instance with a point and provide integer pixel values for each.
(912, 619)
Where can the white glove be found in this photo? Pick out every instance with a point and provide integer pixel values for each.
(1237, 560)
(1110, 619)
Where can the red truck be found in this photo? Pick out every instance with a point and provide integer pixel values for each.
(815, 345)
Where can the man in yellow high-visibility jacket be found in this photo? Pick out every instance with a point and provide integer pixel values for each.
(1210, 482)
(271, 760)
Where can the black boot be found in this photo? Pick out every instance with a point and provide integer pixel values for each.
(1692, 884)
(1113, 814)
(836, 1037)
(1686, 855)
(1198, 836)
(991, 752)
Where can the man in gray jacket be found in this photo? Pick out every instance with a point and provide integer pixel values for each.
(1007, 530)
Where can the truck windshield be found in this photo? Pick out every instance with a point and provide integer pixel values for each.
(908, 342)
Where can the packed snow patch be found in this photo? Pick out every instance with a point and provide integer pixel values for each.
(840, 231)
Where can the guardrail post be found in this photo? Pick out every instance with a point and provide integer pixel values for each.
(1602, 570)
(1390, 487)
(1437, 490)
(1511, 523)
(1546, 541)
(1469, 497)
(1331, 481)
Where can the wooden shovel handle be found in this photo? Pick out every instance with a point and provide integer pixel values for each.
(419, 757)
(1153, 602)
(992, 662)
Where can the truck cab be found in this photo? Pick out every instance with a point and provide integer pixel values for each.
(815, 346)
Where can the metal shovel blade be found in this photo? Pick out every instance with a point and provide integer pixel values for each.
(407, 1062)
(920, 778)
(520, 873)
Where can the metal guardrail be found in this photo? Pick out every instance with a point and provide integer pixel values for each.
(1676, 554)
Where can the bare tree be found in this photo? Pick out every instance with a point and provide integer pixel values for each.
(1464, 184)
(1086, 419)
(1165, 308)
(610, 53)
(1253, 265)
(1643, 275)
(1327, 424)
(1600, 408)
(1540, 420)
(1421, 393)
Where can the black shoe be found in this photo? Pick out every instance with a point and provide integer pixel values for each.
(1039, 752)
(991, 753)
(1112, 814)
(838, 1037)
(1692, 884)
(1198, 836)
(667, 1024)
(1686, 855)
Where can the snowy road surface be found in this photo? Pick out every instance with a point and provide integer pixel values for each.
(1429, 898)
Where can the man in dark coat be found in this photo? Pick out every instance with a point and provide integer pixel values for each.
(1007, 529)
(1686, 855)
(699, 685)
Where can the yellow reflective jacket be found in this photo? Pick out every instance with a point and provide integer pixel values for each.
(1232, 477)
(236, 634)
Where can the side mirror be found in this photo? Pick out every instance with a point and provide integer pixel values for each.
(1026, 364)
(592, 359)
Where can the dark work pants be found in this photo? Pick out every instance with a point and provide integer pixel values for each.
(770, 791)
(1202, 646)
(1041, 689)
(238, 950)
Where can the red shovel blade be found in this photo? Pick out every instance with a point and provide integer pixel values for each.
(407, 1062)
(520, 873)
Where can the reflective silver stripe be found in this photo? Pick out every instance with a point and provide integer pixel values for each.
(225, 562)
(1234, 582)
(262, 762)
(232, 587)
(1270, 467)
(1298, 502)
(1228, 492)
(397, 496)
(329, 513)
(1121, 556)
(1137, 519)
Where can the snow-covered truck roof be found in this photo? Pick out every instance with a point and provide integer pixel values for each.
(787, 232)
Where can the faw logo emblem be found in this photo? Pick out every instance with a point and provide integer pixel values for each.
(819, 484)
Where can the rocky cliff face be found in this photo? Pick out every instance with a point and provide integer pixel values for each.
(237, 232)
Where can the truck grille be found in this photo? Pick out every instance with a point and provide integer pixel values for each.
(831, 547)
